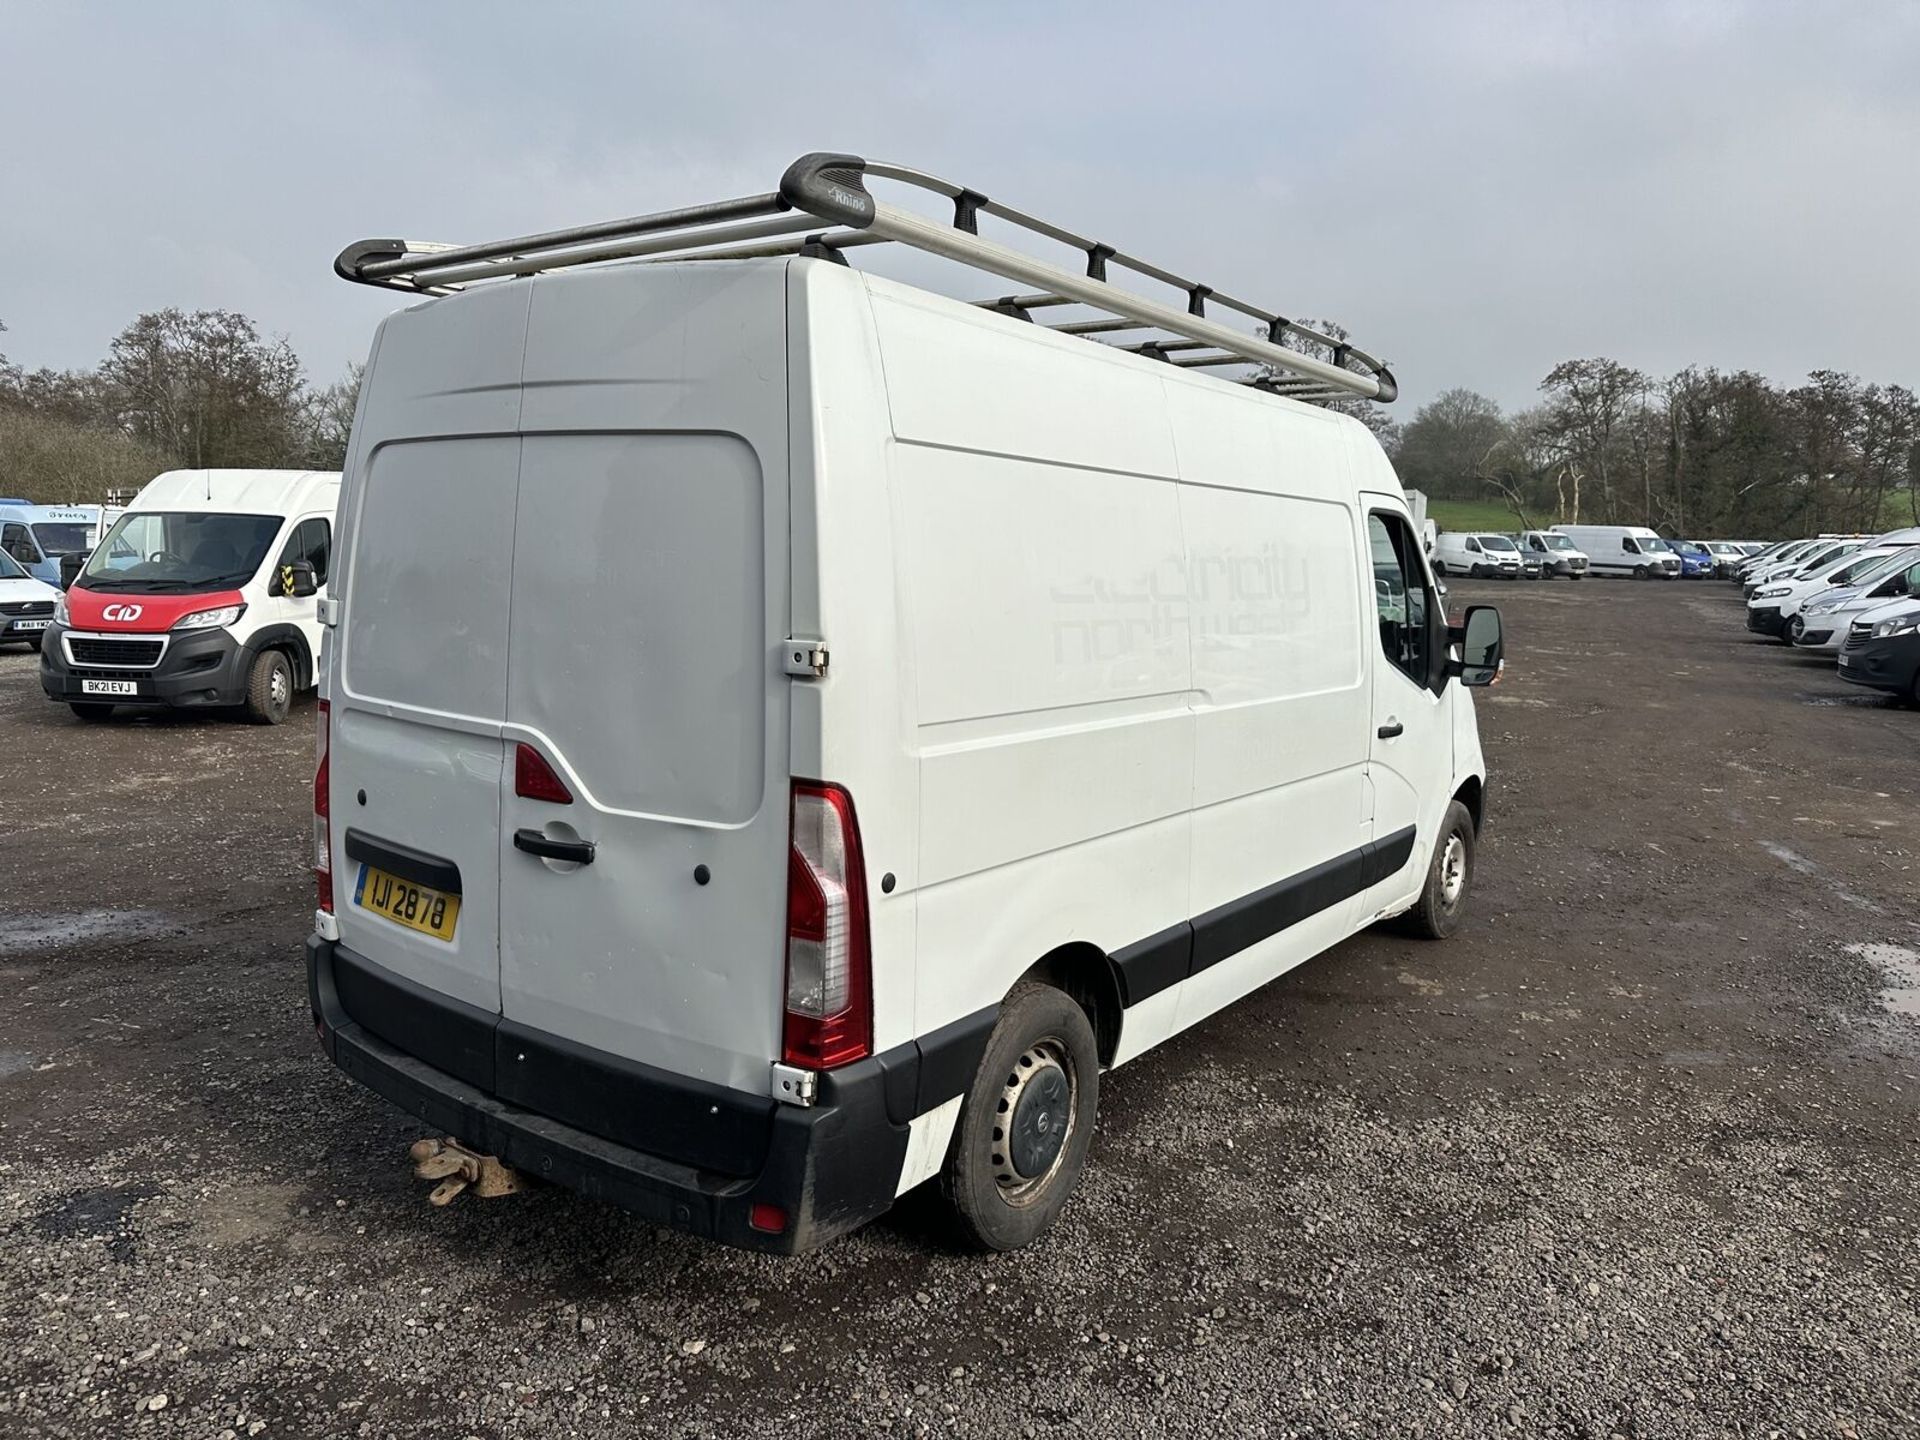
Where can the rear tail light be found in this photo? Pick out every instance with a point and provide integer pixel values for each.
(769, 1219)
(829, 1012)
(322, 842)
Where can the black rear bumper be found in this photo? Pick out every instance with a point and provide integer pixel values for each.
(830, 1167)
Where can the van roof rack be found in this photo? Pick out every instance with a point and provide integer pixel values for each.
(831, 189)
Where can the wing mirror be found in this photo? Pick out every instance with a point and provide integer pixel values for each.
(1481, 647)
(296, 578)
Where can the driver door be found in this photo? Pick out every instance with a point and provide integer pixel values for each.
(1410, 759)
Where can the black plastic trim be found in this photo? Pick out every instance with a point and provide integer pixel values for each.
(448, 1034)
(830, 1167)
(675, 1117)
(1161, 961)
(404, 861)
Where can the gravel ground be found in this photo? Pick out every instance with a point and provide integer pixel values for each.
(1633, 1155)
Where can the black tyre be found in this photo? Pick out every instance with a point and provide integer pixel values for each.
(1477, 572)
(1443, 899)
(1796, 627)
(1026, 1121)
(1640, 572)
(93, 714)
(1439, 570)
(269, 688)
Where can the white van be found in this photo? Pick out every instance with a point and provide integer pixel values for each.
(1624, 550)
(201, 596)
(1479, 554)
(784, 733)
(1557, 554)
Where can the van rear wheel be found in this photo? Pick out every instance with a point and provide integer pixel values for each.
(1026, 1122)
(269, 688)
(1443, 899)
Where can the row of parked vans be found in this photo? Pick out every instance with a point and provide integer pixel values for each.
(783, 734)
(1632, 552)
(1854, 597)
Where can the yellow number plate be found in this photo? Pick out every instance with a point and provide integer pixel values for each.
(405, 903)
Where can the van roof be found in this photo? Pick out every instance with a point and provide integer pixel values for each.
(251, 492)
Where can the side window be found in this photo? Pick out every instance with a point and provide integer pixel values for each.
(1472, 544)
(19, 544)
(1626, 544)
(311, 541)
(1399, 594)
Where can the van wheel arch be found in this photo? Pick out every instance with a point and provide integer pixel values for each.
(1085, 973)
(1472, 794)
(288, 640)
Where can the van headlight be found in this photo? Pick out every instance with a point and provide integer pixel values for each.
(210, 619)
(1772, 592)
(1899, 625)
(61, 615)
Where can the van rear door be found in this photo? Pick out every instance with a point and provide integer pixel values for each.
(649, 604)
(418, 690)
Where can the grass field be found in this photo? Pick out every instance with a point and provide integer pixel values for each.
(1471, 515)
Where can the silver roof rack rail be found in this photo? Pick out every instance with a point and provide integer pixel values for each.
(831, 190)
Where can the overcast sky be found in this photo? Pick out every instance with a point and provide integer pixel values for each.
(1476, 190)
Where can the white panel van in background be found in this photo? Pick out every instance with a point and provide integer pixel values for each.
(1624, 551)
(785, 732)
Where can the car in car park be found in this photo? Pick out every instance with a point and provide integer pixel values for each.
(1727, 556)
(1882, 650)
(1557, 553)
(1821, 553)
(1696, 561)
(1480, 554)
(1532, 567)
(203, 595)
(26, 604)
(1824, 619)
(1774, 606)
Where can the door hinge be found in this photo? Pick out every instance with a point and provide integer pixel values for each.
(327, 610)
(793, 1086)
(806, 659)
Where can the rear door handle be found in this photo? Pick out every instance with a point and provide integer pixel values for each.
(580, 852)
(1386, 731)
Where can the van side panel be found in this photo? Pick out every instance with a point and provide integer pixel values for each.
(1280, 674)
(854, 725)
(1033, 485)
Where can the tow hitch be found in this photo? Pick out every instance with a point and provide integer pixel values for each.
(458, 1168)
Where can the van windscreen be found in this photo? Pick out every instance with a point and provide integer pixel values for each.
(156, 551)
(60, 537)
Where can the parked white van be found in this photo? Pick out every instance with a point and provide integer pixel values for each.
(1480, 554)
(201, 596)
(785, 733)
(1624, 550)
(1558, 555)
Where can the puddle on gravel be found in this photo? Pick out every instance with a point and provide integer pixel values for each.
(1901, 966)
(99, 1214)
(23, 934)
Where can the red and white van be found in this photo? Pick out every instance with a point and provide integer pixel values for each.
(203, 595)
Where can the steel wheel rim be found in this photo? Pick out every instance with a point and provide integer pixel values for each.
(1453, 870)
(1043, 1075)
(277, 687)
